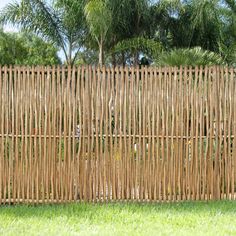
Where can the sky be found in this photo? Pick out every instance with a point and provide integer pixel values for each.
(3, 3)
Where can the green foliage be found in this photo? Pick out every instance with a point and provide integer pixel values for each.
(119, 32)
(60, 22)
(195, 56)
(228, 47)
(12, 51)
(206, 24)
(99, 19)
(87, 57)
(39, 52)
(35, 16)
(137, 46)
(26, 49)
(144, 45)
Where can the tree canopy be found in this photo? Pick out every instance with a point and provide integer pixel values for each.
(120, 32)
(26, 49)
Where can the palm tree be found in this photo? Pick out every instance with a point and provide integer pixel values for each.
(130, 20)
(99, 18)
(140, 46)
(137, 19)
(61, 22)
(114, 21)
(206, 24)
(195, 56)
(228, 48)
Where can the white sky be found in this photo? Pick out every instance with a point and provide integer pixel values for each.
(3, 3)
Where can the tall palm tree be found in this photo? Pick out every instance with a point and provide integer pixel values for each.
(99, 18)
(130, 20)
(60, 22)
(113, 21)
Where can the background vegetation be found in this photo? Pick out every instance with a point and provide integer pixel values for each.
(120, 32)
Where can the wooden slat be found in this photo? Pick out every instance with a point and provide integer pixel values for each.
(181, 187)
(201, 133)
(162, 134)
(233, 162)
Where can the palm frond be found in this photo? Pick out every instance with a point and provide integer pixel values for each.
(141, 44)
(99, 18)
(193, 57)
(34, 16)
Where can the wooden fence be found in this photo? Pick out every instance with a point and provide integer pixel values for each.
(102, 134)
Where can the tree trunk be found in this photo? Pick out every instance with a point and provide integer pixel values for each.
(123, 58)
(113, 59)
(101, 54)
(69, 61)
(136, 58)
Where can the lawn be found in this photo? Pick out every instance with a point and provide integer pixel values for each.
(189, 218)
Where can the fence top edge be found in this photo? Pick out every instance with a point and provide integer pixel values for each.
(116, 68)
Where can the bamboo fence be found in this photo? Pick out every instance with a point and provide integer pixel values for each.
(115, 134)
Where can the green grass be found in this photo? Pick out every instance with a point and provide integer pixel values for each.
(189, 218)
